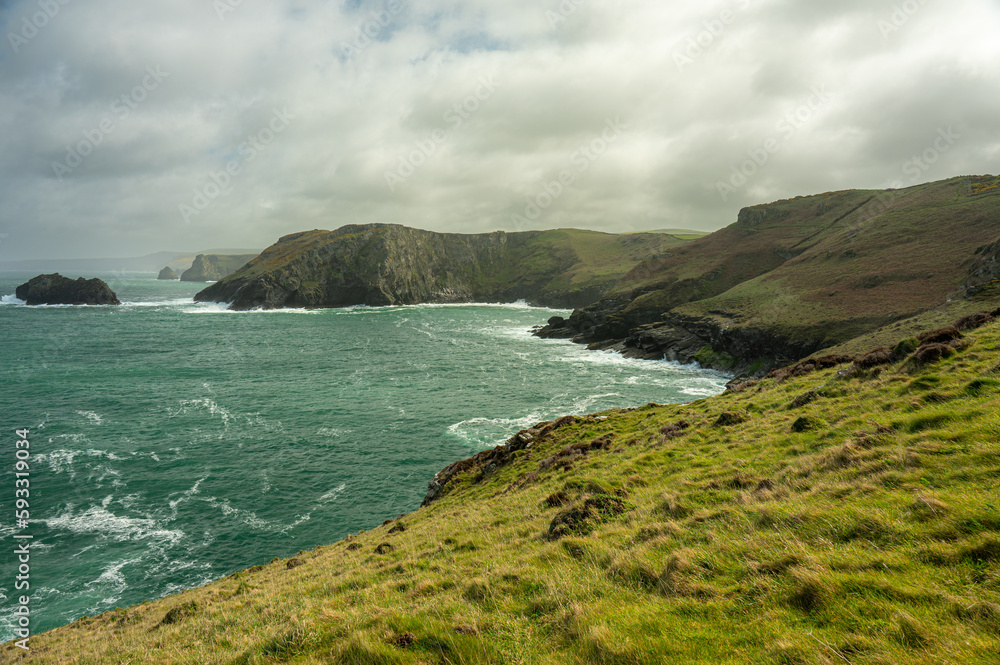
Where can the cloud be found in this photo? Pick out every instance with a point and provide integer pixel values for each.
(476, 107)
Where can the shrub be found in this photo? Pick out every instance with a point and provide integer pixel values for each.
(905, 347)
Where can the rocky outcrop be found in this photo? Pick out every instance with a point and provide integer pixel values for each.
(167, 273)
(985, 269)
(213, 267)
(388, 264)
(489, 461)
(55, 289)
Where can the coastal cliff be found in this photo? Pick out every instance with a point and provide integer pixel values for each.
(213, 267)
(385, 264)
(792, 277)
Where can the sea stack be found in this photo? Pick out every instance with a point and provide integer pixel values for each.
(167, 273)
(55, 289)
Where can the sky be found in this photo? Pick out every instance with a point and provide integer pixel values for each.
(129, 127)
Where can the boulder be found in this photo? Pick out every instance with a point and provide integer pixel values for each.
(55, 289)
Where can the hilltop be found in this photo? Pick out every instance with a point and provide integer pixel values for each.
(388, 264)
(792, 277)
(837, 512)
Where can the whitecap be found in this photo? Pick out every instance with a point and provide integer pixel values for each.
(92, 416)
(12, 300)
(99, 521)
(491, 431)
(334, 493)
(112, 575)
(185, 495)
(245, 516)
(208, 404)
(332, 432)
(176, 302)
(223, 308)
(62, 460)
(298, 520)
(700, 392)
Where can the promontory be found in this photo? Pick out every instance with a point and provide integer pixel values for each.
(389, 264)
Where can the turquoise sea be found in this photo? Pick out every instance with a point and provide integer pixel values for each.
(173, 443)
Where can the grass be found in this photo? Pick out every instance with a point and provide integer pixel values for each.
(818, 270)
(869, 533)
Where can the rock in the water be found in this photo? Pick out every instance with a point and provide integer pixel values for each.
(55, 289)
(168, 273)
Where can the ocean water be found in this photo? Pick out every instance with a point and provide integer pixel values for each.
(174, 442)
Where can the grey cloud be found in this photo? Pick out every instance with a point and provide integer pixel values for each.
(562, 69)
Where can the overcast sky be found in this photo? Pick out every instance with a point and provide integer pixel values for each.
(132, 127)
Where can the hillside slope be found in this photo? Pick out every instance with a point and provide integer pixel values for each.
(384, 264)
(795, 276)
(841, 515)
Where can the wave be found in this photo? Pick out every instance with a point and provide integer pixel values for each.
(192, 307)
(185, 495)
(112, 577)
(333, 432)
(491, 431)
(11, 300)
(98, 520)
(62, 460)
(176, 302)
(92, 416)
(334, 493)
(247, 517)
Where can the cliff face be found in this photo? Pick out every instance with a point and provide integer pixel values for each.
(213, 267)
(985, 268)
(55, 289)
(394, 265)
(795, 276)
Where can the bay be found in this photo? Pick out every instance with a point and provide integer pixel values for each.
(174, 442)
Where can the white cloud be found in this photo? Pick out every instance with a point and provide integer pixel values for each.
(698, 86)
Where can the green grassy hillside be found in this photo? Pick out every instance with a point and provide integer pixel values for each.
(844, 515)
(809, 272)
